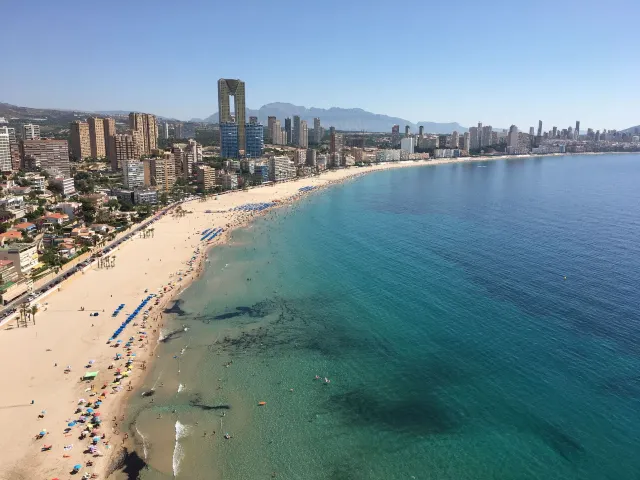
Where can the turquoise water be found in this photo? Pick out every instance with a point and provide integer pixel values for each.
(435, 301)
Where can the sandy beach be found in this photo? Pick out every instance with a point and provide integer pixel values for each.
(35, 358)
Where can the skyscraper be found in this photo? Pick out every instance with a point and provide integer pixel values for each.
(226, 88)
(31, 132)
(80, 140)
(577, 133)
(125, 147)
(163, 172)
(407, 130)
(177, 131)
(467, 141)
(253, 120)
(304, 134)
(96, 137)
(513, 137)
(147, 126)
(276, 133)
(317, 131)
(421, 131)
(474, 143)
(539, 128)
(335, 147)
(455, 139)
(5, 150)
(255, 140)
(133, 174)
(165, 130)
(287, 128)
(109, 135)
(532, 131)
(555, 132)
(295, 139)
(271, 121)
(486, 136)
(395, 135)
(229, 147)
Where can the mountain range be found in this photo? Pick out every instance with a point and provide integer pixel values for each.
(349, 119)
(346, 119)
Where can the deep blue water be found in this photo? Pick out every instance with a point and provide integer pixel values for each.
(435, 300)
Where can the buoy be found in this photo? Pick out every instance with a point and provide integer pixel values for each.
(262, 403)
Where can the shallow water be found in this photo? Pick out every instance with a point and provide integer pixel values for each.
(435, 301)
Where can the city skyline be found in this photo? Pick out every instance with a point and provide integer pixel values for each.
(502, 88)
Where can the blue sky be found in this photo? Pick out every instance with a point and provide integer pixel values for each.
(499, 62)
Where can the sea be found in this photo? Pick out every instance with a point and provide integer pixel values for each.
(476, 321)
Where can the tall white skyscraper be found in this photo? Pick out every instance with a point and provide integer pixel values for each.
(133, 174)
(304, 134)
(5, 150)
(454, 139)
(31, 132)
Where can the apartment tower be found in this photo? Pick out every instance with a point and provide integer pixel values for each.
(80, 140)
(147, 126)
(232, 87)
(96, 137)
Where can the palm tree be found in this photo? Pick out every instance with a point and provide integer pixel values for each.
(23, 313)
(34, 310)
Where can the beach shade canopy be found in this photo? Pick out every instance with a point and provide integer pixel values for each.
(71, 424)
(90, 375)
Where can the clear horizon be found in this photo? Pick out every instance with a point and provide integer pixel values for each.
(497, 63)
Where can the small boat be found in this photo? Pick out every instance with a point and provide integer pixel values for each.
(262, 403)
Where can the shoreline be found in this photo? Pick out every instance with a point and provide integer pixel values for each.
(58, 323)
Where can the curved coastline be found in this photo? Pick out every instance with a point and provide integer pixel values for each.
(61, 323)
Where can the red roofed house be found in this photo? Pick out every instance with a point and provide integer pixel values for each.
(10, 236)
(56, 218)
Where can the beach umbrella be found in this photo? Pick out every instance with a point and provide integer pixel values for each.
(77, 466)
(89, 410)
(43, 433)
(97, 420)
(91, 362)
(97, 414)
(96, 439)
(71, 424)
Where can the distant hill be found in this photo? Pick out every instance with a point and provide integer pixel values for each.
(350, 119)
(632, 129)
(49, 116)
